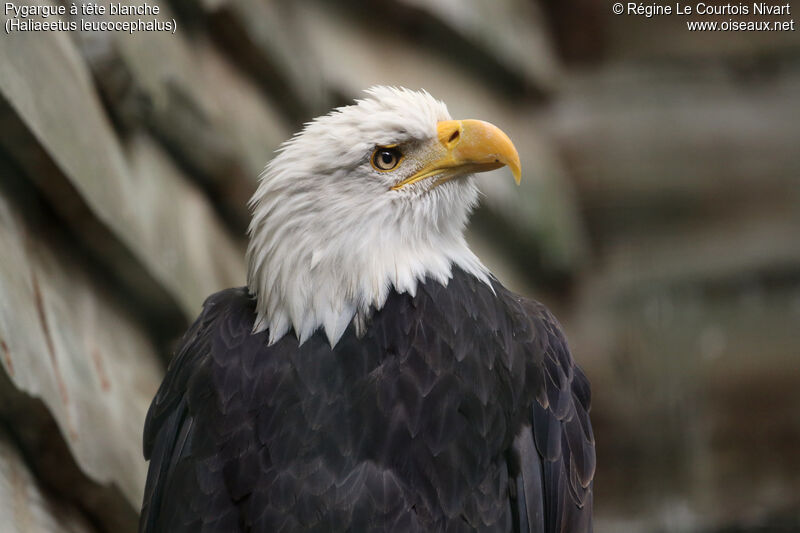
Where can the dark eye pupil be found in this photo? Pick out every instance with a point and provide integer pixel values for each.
(386, 158)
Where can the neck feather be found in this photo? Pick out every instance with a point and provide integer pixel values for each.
(303, 284)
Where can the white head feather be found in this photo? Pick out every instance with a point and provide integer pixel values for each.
(329, 236)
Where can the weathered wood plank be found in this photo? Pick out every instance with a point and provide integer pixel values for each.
(756, 244)
(511, 34)
(190, 250)
(211, 116)
(661, 138)
(266, 40)
(66, 341)
(24, 507)
(56, 107)
(694, 387)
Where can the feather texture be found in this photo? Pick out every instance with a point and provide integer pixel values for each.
(458, 409)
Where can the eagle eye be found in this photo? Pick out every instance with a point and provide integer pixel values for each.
(386, 158)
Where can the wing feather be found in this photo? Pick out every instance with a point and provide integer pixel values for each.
(555, 446)
(170, 430)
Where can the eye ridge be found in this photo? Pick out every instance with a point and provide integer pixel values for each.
(386, 158)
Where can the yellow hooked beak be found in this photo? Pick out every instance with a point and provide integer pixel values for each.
(466, 147)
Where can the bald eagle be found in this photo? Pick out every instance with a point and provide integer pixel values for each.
(372, 375)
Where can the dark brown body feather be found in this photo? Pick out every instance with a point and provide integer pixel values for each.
(460, 409)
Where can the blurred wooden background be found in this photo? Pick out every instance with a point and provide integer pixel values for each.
(659, 216)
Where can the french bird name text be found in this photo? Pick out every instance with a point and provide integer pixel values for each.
(89, 8)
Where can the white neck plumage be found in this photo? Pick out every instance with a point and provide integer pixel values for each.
(313, 264)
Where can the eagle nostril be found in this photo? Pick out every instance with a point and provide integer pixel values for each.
(454, 136)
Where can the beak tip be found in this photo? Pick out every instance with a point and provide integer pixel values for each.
(516, 171)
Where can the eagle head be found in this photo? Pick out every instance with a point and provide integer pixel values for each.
(370, 198)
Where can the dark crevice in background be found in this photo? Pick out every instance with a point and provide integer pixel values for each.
(50, 202)
(32, 428)
(578, 29)
(228, 33)
(216, 174)
(418, 26)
